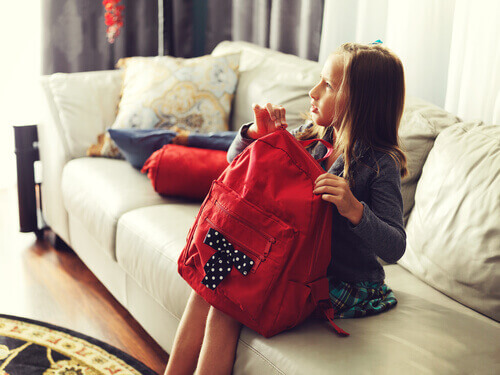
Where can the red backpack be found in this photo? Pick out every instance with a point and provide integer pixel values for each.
(260, 245)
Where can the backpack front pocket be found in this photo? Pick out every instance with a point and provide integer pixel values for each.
(240, 249)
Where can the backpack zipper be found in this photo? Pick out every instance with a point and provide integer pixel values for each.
(258, 257)
(244, 221)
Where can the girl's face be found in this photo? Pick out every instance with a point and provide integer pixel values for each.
(327, 102)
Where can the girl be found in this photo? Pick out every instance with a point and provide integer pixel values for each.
(357, 106)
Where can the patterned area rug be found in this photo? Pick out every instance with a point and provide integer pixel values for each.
(29, 347)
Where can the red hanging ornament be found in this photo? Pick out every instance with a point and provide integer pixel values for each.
(113, 18)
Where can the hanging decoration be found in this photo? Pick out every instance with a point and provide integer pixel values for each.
(113, 18)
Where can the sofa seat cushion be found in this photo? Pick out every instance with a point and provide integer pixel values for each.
(149, 241)
(100, 190)
(426, 332)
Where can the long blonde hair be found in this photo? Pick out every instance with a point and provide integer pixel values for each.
(375, 90)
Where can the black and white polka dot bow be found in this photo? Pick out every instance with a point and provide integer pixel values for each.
(220, 264)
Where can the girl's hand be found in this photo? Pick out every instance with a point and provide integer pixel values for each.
(266, 120)
(336, 190)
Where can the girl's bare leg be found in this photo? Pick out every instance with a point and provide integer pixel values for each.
(189, 337)
(219, 346)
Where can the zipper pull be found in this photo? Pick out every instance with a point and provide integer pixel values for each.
(256, 265)
(268, 247)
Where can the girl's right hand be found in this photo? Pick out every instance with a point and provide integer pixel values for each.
(266, 120)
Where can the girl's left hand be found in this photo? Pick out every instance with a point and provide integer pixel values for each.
(336, 190)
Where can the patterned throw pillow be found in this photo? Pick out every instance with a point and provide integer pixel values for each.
(163, 92)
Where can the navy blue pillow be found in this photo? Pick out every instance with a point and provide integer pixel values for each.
(213, 140)
(137, 145)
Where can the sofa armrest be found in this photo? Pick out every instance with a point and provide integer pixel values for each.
(54, 154)
(77, 107)
(85, 104)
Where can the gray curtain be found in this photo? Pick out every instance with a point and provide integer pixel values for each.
(290, 26)
(178, 27)
(74, 33)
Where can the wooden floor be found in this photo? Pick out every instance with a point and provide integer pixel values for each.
(54, 286)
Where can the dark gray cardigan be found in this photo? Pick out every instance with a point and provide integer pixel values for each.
(379, 233)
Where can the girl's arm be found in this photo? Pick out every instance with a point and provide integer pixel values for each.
(381, 227)
(240, 142)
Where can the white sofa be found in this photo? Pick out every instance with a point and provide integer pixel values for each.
(130, 237)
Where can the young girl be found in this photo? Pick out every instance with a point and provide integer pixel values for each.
(357, 106)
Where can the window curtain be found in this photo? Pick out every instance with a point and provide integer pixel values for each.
(75, 34)
(290, 26)
(473, 90)
(450, 49)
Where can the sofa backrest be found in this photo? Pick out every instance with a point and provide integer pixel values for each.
(270, 76)
(420, 125)
(453, 233)
(85, 104)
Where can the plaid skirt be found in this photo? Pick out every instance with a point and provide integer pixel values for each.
(360, 299)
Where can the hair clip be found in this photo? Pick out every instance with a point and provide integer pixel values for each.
(378, 41)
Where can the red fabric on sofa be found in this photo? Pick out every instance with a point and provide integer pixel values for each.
(183, 171)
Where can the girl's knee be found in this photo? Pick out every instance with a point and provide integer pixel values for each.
(220, 316)
(198, 305)
(199, 300)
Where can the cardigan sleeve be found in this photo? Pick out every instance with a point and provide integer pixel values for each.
(240, 142)
(381, 227)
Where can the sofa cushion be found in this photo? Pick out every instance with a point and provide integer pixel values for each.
(424, 333)
(421, 123)
(148, 242)
(100, 190)
(166, 92)
(270, 76)
(453, 231)
(182, 171)
(85, 104)
(137, 145)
